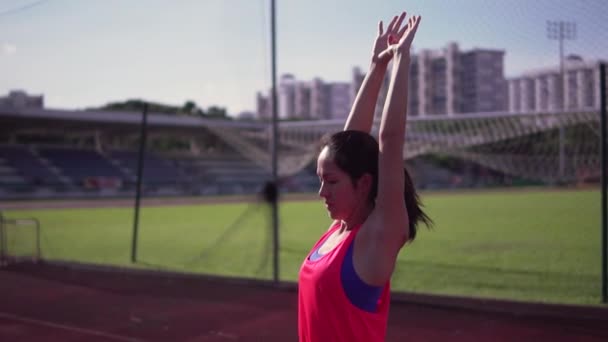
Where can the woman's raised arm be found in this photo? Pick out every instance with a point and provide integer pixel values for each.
(361, 116)
(386, 229)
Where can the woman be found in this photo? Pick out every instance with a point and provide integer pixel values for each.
(344, 282)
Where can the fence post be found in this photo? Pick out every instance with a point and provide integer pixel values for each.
(604, 182)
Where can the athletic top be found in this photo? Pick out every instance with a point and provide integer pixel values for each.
(334, 304)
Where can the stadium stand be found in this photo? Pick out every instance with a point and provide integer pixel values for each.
(58, 153)
(21, 167)
(227, 174)
(80, 164)
(156, 170)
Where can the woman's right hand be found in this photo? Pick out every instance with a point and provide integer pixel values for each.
(386, 39)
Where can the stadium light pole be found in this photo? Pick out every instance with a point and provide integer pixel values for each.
(140, 168)
(560, 31)
(273, 146)
(603, 95)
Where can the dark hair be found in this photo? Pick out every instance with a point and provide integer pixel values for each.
(356, 153)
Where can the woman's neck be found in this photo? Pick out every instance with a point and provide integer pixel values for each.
(358, 216)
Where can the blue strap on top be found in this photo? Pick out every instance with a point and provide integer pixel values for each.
(360, 294)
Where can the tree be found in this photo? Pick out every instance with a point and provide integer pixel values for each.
(189, 108)
(215, 112)
(137, 106)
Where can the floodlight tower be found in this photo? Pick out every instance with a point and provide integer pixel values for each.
(561, 30)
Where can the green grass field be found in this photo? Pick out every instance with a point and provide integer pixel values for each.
(524, 245)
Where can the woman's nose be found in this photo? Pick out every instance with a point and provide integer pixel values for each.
(322, 190)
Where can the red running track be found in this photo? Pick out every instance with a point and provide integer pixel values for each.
(52, 302)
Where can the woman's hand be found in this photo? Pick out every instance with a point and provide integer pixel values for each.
(401, 43)
(386, 39)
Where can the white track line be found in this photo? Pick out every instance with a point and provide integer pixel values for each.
(68, 328)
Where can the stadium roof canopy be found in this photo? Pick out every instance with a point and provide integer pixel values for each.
(17, 120)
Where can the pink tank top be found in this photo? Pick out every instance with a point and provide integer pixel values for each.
(324, 311)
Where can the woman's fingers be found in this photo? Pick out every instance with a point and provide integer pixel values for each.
(397, 35)
(415, 23)
(402, 33)
(399, 22)
(409, 30)
(392, 24)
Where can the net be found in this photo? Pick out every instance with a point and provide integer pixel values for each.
(225, 239)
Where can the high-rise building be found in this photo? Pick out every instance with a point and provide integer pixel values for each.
(287, 97)
(340, 99)
(542, 89)
(302, 100)
(442, 82)
(449, 81)
(263, 106)
(482, 81)
(319, 99)
(297, 99)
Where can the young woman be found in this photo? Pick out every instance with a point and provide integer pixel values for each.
(344, 283)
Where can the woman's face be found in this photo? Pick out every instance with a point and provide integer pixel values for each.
(337, 190)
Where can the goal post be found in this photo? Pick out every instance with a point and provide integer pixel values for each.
(20, 240)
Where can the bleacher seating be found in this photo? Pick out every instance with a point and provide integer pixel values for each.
(305, 181)
(80, 164)
(9, 176)
(156, 170)
(32, 167)
(21, 166)
(226, 174)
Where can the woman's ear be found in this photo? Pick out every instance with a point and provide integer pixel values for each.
(364, 184)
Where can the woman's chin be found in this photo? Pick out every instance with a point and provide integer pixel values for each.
(333, 215)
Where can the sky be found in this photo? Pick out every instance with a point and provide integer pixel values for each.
(82, 54)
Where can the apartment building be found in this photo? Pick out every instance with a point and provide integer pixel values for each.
(543, 89)
(442, 82)
(450, 81)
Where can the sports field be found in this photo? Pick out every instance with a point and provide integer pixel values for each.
(527, 245)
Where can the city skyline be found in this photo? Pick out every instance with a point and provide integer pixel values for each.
(447, 81)
(86, 54)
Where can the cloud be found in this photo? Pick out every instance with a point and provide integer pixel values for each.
(8, 49)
